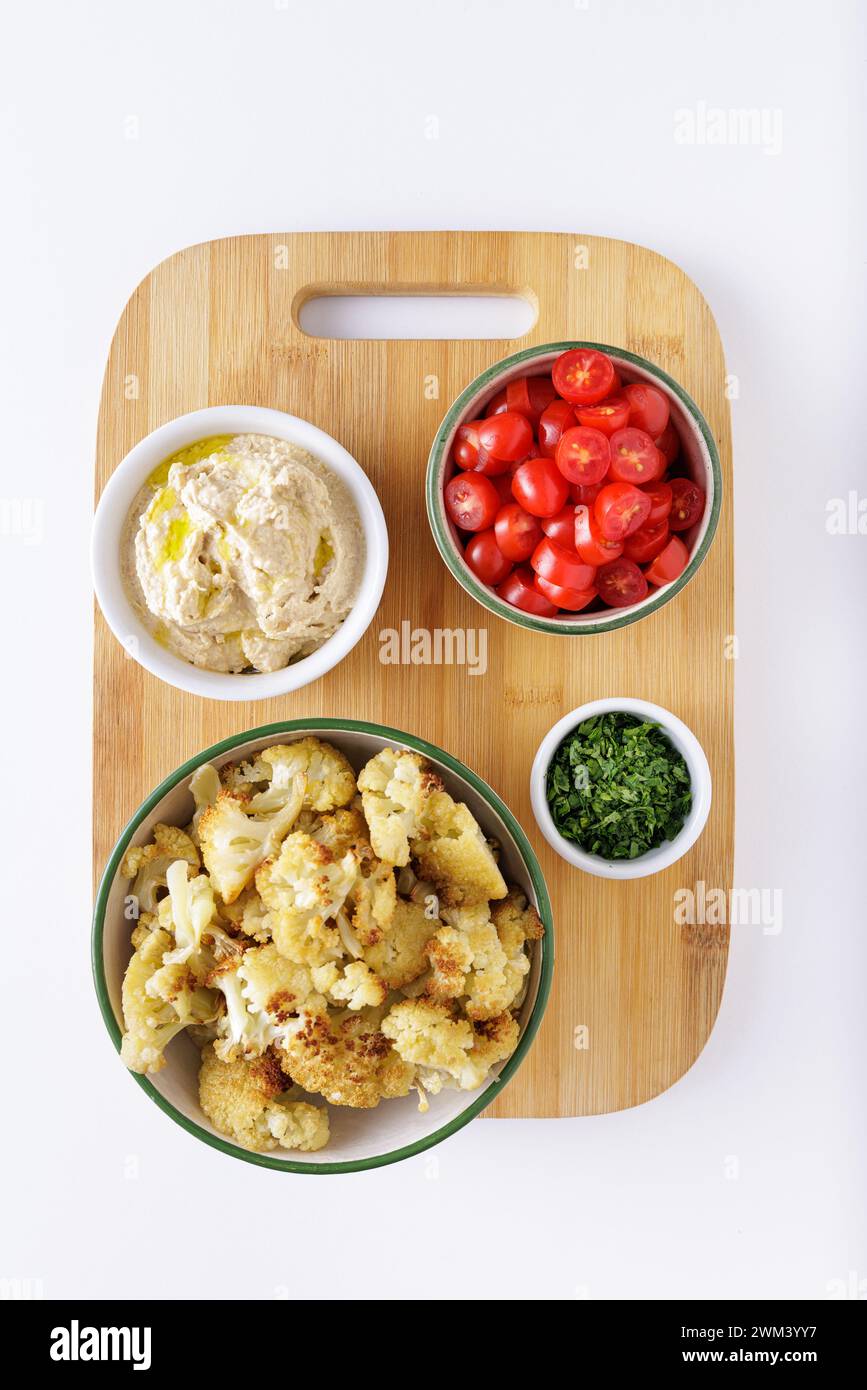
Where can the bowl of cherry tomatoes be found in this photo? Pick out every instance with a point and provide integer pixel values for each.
(573, 488)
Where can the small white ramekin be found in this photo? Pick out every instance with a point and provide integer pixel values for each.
(686, 743)
(119, 494)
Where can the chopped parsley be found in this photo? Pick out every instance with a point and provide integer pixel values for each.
(617, 787)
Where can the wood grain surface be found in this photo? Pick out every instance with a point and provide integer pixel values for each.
(217, 324)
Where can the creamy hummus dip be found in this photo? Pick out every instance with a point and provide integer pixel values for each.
(243, 553)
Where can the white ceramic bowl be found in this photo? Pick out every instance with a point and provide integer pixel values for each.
(360, 1139)
(686, 743)
(119, 494)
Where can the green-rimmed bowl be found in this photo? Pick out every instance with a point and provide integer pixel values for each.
(698, 458)
(360, 1139)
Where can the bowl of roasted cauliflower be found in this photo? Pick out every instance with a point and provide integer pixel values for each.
(323, 945)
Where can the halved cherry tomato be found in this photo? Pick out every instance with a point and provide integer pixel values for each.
(486, 559)
(561, 528)
(609, 415)
(687, 504)
(555, 419)
(634, 457)
(648, 408)
(530, 395)
(660, 495)
(590, 543)
(497, 404)
(471, 501)
(573, 599)
(583, 455)
(519, 590)
(646, 543)
(583, 376)
(517, 532)
(621, 583)
(466, 449)
(669, 564)
(539, 487)
(561, 566)
(668, 443)
(585, 493)
(507, 436)
(621, 509)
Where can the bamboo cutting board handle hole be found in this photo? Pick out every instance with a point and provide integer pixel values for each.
(416, 313)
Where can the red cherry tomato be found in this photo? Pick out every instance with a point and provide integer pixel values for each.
(466, 447)
(530, 395)
(583, 376)
(634, 457)
(687, 504)
(660, 495)
(471, 501)
(573, 599)
(562, 566)
(555, 419)
(669, 564)
(607, 416)
(561, 528)
(517, 532)
(648, 408)
(540, 488)
(583, 455)
(668, 443)
(647, 542)
(519, 590)
(585, 493)
(497, 404)
(486, 559)
(621, 509)
(507, 436)
(621, 583)
(590, 543)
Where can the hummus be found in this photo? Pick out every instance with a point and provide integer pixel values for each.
(243, 553)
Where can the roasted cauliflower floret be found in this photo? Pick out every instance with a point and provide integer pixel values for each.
(305, 887)
(400, 957)
(372, 902)
(349, 1062)
(453, 854)
(235, 840)
(342, 830)
(394, 788)
(469, 962)
(270, 778)
(204, 789)
(188, 911)
(262, 990)
(446, 1049)
(149, 864)
(358, 987)
(157, 1003)
(248, 914)
(249, 1102)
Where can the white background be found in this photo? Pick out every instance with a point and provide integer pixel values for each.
(552, 116)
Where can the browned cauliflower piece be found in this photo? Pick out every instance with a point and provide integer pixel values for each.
(469, 961)
(448, 1050)
(149, 864)
(454, 855)
(250, 1102)
(235, 840)
(395, 787)
(270, 777)
(400, 957)
(349, 1061)
(517, 921)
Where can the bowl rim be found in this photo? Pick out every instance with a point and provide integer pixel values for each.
(652, 861)
(480, 1102)
(122, 487)
(611, 619)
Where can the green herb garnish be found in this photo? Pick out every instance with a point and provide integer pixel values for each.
(617, 787)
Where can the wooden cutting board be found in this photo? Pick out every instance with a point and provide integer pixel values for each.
(217, 324)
